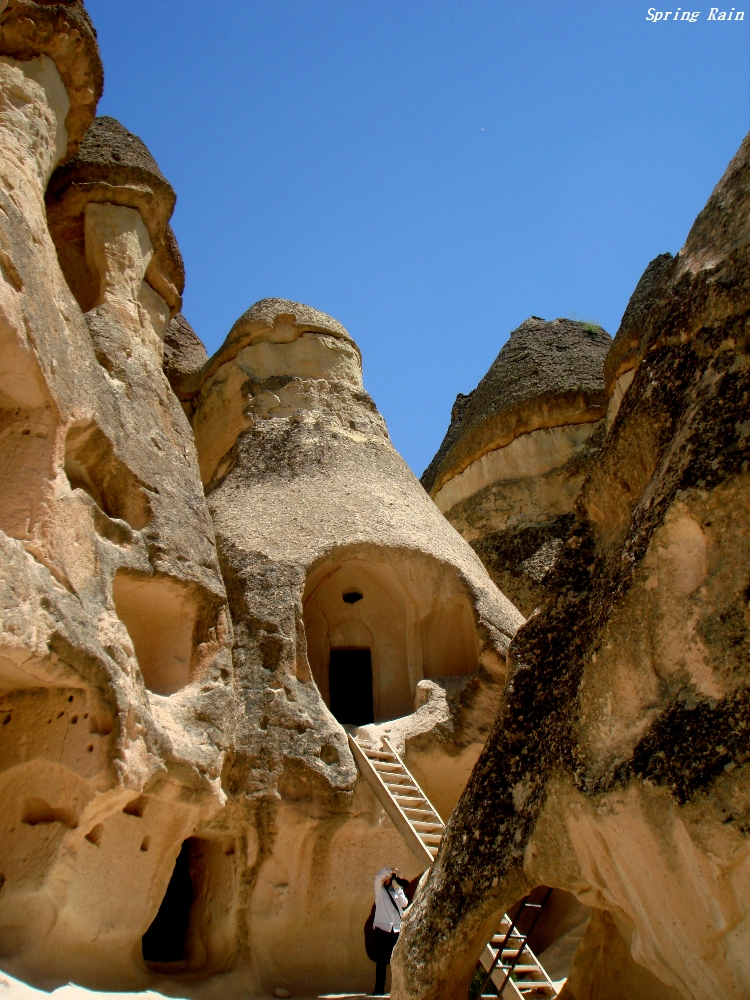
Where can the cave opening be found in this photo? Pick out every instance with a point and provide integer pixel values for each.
(350, 686)
(166, 939)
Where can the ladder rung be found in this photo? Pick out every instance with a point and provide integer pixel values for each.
(385, 767)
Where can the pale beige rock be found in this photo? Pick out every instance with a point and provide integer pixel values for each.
(111, 593)
(311, 503)
(153, 771)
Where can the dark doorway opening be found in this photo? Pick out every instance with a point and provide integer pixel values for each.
(166, 938)
(350, 686)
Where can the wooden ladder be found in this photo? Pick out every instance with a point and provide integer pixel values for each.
(513, 968)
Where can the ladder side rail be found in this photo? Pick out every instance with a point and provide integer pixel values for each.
(414, 780)
(394, 810)
(499, 956)
(510, 992)
(549, 984)
(525, 946)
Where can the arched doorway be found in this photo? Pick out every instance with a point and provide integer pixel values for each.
(379, 622)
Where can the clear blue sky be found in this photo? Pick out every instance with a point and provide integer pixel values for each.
(430, 172)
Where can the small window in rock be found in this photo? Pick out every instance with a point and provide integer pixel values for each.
(352, 596)
(159, 613)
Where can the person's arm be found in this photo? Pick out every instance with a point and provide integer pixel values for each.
(397, 894)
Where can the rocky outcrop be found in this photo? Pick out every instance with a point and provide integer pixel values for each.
(61, 31)
(644, 304)
(180, 797)
(518, 449)
(332, 554)
(113, 167)
(184, 359)
(618, 765)
(115, 663)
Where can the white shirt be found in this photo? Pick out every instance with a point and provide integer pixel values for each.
(389, 905)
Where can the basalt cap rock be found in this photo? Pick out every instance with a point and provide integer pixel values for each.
(636, 319)
(546, 375)
(259, 321)
(184, 358)
(114, 166)
(62, 30)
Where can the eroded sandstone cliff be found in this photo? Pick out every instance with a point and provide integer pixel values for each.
(180, 798)
(618, 765)
(115, 658)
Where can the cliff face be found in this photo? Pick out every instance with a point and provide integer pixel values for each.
(617, 768)
(330, 548)
(518, 448)
(115, 660)
(212, 568)
(179, 793)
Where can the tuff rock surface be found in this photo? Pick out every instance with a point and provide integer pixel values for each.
(311, 503)
(518, 449)
(618, 765)
(180, 804)
(115, 662)
(189, 544)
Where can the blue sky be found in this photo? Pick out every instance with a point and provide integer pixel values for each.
(430, 173)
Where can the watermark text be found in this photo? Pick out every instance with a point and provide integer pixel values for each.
(714, 14)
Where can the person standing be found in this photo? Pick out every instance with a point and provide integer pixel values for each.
(390, 903)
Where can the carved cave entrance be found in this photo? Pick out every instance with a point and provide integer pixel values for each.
(194, 928)
(377, 623)
(350, 686)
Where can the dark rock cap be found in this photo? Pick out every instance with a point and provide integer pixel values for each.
(264, 315)
(636, 319)
(184, 358)
(546, 375)
(62, 30)
(116, 167)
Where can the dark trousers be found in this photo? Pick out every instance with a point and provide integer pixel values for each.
(385, 942)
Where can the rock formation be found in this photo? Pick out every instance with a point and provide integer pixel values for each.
(348, 590)
(115, 659)
(215, 570)
(518, 449)
(618, 765)
(179, 794)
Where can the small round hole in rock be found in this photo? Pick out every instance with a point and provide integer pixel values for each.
(352, 596)
(329, 754)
